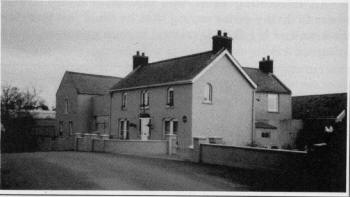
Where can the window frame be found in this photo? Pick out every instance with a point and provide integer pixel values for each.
(124, 100)
(208, 93)
(70, 127)
(171, 126)
(60, 127)
(170, 97)
(143, 98)
(266, 134)
(275, 103)
(123, 129)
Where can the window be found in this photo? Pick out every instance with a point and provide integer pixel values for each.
(70, 124)
(66, 106)
(170, 126)
(265, 134)
(144, 99)
(272, 102)
(208, 93)
(124, 129)
(124, 100)
(170, 97)
(60, 128)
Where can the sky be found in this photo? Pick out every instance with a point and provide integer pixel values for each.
(42, 40)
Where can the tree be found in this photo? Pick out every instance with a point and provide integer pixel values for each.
(16, 119)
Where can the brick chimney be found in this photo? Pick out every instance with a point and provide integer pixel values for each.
(220, 42)
(139, 60)
(266, 66)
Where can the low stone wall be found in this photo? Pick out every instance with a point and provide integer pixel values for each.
(251, 158)
(150, 147)
(154, 147)
(56, 144)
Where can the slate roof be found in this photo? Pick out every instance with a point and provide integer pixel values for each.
(264, 125)
(266, 82)
(92, 84)
(167, 71)
(318, 106)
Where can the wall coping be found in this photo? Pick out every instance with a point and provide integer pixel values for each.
(117, 140)
(257, 148)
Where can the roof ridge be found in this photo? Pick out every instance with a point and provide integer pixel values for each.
(185, 56)
(95, 75)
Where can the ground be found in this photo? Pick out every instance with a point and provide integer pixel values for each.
(102, 171)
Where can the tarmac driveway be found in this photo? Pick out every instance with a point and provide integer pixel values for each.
(101, 171)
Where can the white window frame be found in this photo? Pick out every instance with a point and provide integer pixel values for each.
(171, 126)
(273, 102)
(123, 129)
(208, 93)
(60, 127)
(170, 99)
(70, 127)
(144, 99)
(124, 100)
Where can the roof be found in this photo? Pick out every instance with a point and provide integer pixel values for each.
(92, 84)
(266, 82)
(263, 125)
(178, 70)
(171, 70)
(318, 106)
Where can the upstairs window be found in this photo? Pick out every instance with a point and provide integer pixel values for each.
(124, 100)
(265, 134)
(272, 102)
(170, 97)
(66, 106)
(208, 93)
(144, 99)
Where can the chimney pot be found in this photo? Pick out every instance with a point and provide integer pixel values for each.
(219, 32)
(263, 59)
(143, 54)
(268, 57)
(137, 53)
(225, 34)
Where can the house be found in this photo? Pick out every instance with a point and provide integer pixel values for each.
(206, 94)
(82, 103)
(273, 108)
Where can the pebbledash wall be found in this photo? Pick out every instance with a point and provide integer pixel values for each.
(230, 114)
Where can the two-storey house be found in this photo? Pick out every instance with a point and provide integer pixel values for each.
(82, 103)
(207, 94)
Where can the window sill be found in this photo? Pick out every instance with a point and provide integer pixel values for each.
(273, 112)
(146, 107)
(169, 106)
(207, 102)
(124, 109)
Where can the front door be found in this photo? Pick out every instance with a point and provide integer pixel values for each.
(144, 125)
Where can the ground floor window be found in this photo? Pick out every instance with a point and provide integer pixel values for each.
(123, 129)
(265, 134)
(60, 128)
(170, 126)
(70, 127)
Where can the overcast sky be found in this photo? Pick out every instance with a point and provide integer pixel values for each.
(41, 40)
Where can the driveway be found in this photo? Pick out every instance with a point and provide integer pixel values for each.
(101, 171)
